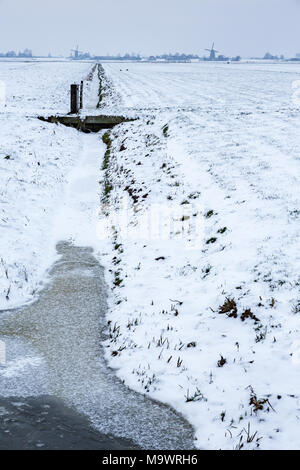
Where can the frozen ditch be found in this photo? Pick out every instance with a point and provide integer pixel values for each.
(65, 328)
(55, 363)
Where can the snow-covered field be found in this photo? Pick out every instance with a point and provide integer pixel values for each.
(205, 307)
(200, 199)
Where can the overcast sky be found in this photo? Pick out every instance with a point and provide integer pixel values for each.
(238, 27)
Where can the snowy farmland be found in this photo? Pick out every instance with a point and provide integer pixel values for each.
(198, 229)
(207, 318)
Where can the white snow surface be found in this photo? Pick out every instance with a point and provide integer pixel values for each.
(221, 182)
(213, 157)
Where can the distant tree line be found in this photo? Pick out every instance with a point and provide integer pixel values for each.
(163, 57)
(177, 57)
(25, 53)
(269, 56)
(117, 57)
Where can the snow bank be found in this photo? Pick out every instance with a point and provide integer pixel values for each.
(35, 159)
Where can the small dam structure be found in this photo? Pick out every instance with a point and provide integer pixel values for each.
(94, 123)
(87, 123)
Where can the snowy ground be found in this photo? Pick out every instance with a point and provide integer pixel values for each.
(207, 180)
(35, 159)
(201, 204)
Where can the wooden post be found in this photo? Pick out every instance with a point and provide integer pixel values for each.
(81, 95)
(74, 99)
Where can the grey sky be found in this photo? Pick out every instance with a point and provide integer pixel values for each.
(245, 27)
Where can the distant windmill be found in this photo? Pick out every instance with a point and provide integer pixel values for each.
(76, 52)
(212, 52)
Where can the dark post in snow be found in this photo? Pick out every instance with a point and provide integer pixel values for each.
(74, 99)
(81, 95)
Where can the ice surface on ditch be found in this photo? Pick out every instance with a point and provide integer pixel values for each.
(24, 372)
(66, 326)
